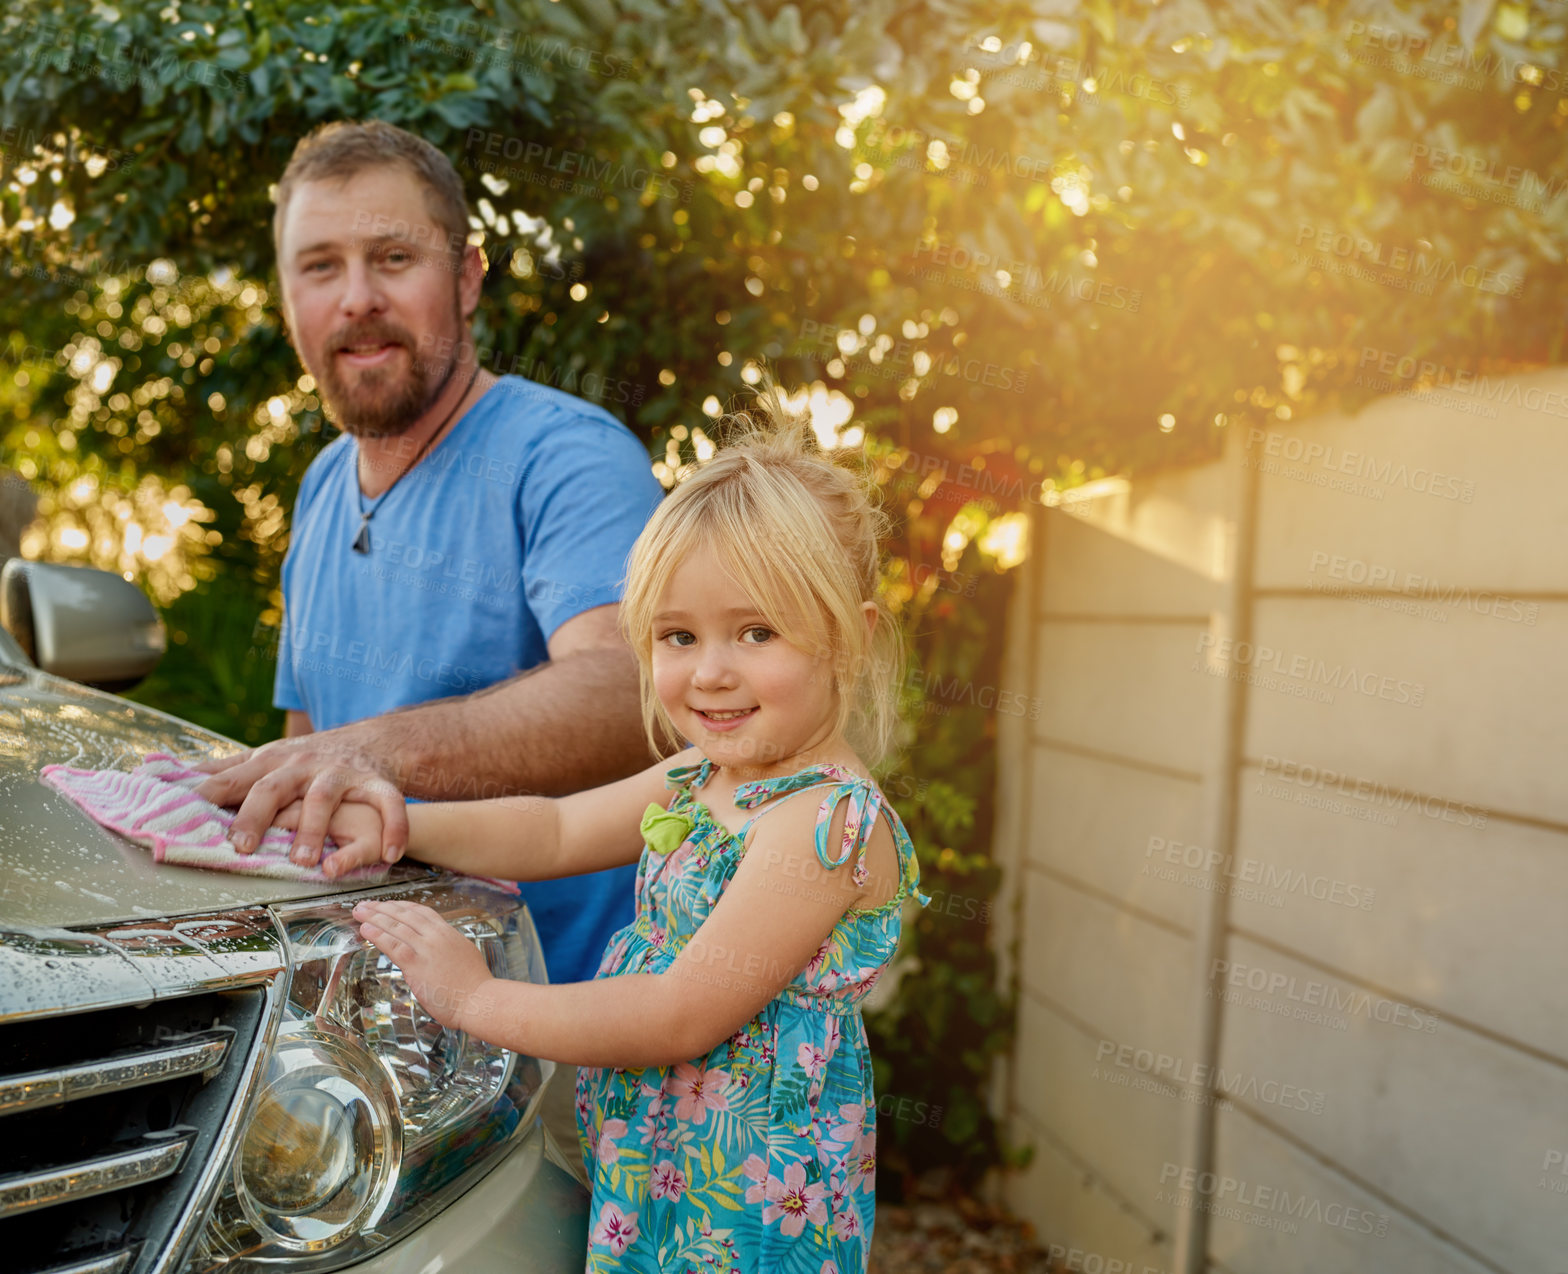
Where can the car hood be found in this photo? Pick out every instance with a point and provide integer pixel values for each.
(58, 868)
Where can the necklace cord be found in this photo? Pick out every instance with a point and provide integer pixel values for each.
(362, 540)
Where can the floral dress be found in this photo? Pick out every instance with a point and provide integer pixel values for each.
(759, 1158)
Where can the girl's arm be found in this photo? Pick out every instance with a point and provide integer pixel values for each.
(774, 916)
(541, 837)
(511, 837)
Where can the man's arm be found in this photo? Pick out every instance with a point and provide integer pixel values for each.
(571, 723)
(296, 724)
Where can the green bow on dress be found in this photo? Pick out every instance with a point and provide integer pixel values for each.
(663, 831)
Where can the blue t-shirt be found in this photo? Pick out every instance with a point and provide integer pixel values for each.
(519, 519)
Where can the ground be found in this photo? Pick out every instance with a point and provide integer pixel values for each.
(940, 1233)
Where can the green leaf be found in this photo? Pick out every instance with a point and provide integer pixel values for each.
(191, 136)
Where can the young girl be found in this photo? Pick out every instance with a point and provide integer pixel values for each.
(725, 1103)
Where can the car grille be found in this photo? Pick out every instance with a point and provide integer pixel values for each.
(106, 1118)
(126, 1056)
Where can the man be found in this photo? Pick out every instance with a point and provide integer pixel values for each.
(466, 532)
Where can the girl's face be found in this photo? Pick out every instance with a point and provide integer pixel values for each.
(731, 684)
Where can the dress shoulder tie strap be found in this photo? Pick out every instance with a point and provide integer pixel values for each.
(865, 803)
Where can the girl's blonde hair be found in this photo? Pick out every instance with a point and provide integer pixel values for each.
(801, 533)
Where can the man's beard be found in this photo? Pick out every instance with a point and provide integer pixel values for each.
(380, 402)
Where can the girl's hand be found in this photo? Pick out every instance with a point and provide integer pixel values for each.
(444, 969)
(356, 826)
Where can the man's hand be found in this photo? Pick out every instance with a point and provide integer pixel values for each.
(318, 770)
(355, 828)
(444, 969)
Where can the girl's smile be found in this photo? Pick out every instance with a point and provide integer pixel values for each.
(714, 719)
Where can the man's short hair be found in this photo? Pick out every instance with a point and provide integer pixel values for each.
(342, 149)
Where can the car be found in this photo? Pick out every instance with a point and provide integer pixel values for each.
(205, 1071)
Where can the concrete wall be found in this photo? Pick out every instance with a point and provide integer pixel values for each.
(1291, 825)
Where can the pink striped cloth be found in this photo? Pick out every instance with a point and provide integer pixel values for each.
(154, 806)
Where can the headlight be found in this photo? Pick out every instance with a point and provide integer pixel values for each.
(322, 1146)
(371, 1114)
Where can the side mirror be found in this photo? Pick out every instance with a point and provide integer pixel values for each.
(84, 624)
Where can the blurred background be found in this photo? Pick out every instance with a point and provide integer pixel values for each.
(1230, 749)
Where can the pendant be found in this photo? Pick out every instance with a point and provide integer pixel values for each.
(362, 540)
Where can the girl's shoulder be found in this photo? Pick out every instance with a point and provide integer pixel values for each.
(854, 823)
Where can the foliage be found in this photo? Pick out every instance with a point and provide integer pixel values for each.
(1037, 240)
(219, 670)
(947, 1019)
